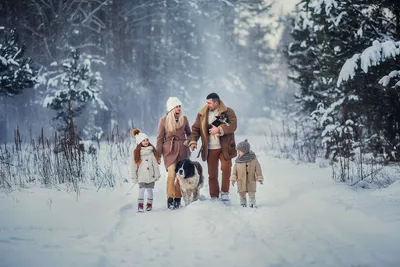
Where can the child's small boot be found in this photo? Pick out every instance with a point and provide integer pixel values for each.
(149, 205)
(140, 205)
(253, 202)
(243, 202)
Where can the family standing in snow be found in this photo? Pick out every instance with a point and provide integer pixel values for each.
(215, 125)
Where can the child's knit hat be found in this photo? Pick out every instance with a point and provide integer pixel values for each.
(139, 136)
(243, 146)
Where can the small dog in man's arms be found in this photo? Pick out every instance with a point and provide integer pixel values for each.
(190, 176)
(219, 120)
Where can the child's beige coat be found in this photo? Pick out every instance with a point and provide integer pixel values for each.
(246, 175)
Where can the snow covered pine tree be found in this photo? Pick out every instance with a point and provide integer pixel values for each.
(16, 72)
(79, 86)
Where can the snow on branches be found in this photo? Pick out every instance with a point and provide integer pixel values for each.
(16, 72)
(371, 56)
(70, 86)
(318, 4)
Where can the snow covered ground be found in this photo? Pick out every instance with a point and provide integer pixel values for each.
(304, 218)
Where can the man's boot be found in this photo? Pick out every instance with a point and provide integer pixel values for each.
(225, 197)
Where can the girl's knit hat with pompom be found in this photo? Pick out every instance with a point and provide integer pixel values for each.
(137, 133)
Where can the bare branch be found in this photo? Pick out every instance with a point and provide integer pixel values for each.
(32, 30)
(43, 2)
(137, 7)
(94, 11)
(47, 47)
(71, 3)
(76, 10)
(85, 45)
(98, 22)
(143, 18)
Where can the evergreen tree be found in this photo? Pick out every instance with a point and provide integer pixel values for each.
(70, 88)
(326, 34)
(373, 66)
(16, 71)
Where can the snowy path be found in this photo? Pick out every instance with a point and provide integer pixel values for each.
(303, 219)
(206, 232)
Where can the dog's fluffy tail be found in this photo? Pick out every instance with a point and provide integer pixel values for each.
(199, 171)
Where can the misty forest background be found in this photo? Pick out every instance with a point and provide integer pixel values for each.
(97, 68)
(144, 51)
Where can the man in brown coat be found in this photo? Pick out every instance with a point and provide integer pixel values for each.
(218, 143)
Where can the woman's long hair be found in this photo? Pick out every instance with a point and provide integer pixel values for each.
(136, 153)
(172, 123)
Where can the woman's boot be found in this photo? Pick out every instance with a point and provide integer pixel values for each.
(170, 203)
(177, 202)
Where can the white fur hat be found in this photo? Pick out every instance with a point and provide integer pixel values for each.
(139, 136)
(172, 103)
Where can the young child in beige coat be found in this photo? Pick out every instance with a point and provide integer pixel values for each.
(144, 169)
(246, 173)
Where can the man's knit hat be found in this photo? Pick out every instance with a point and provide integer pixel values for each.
(139, 136)
(172, 103)
(243, 146)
